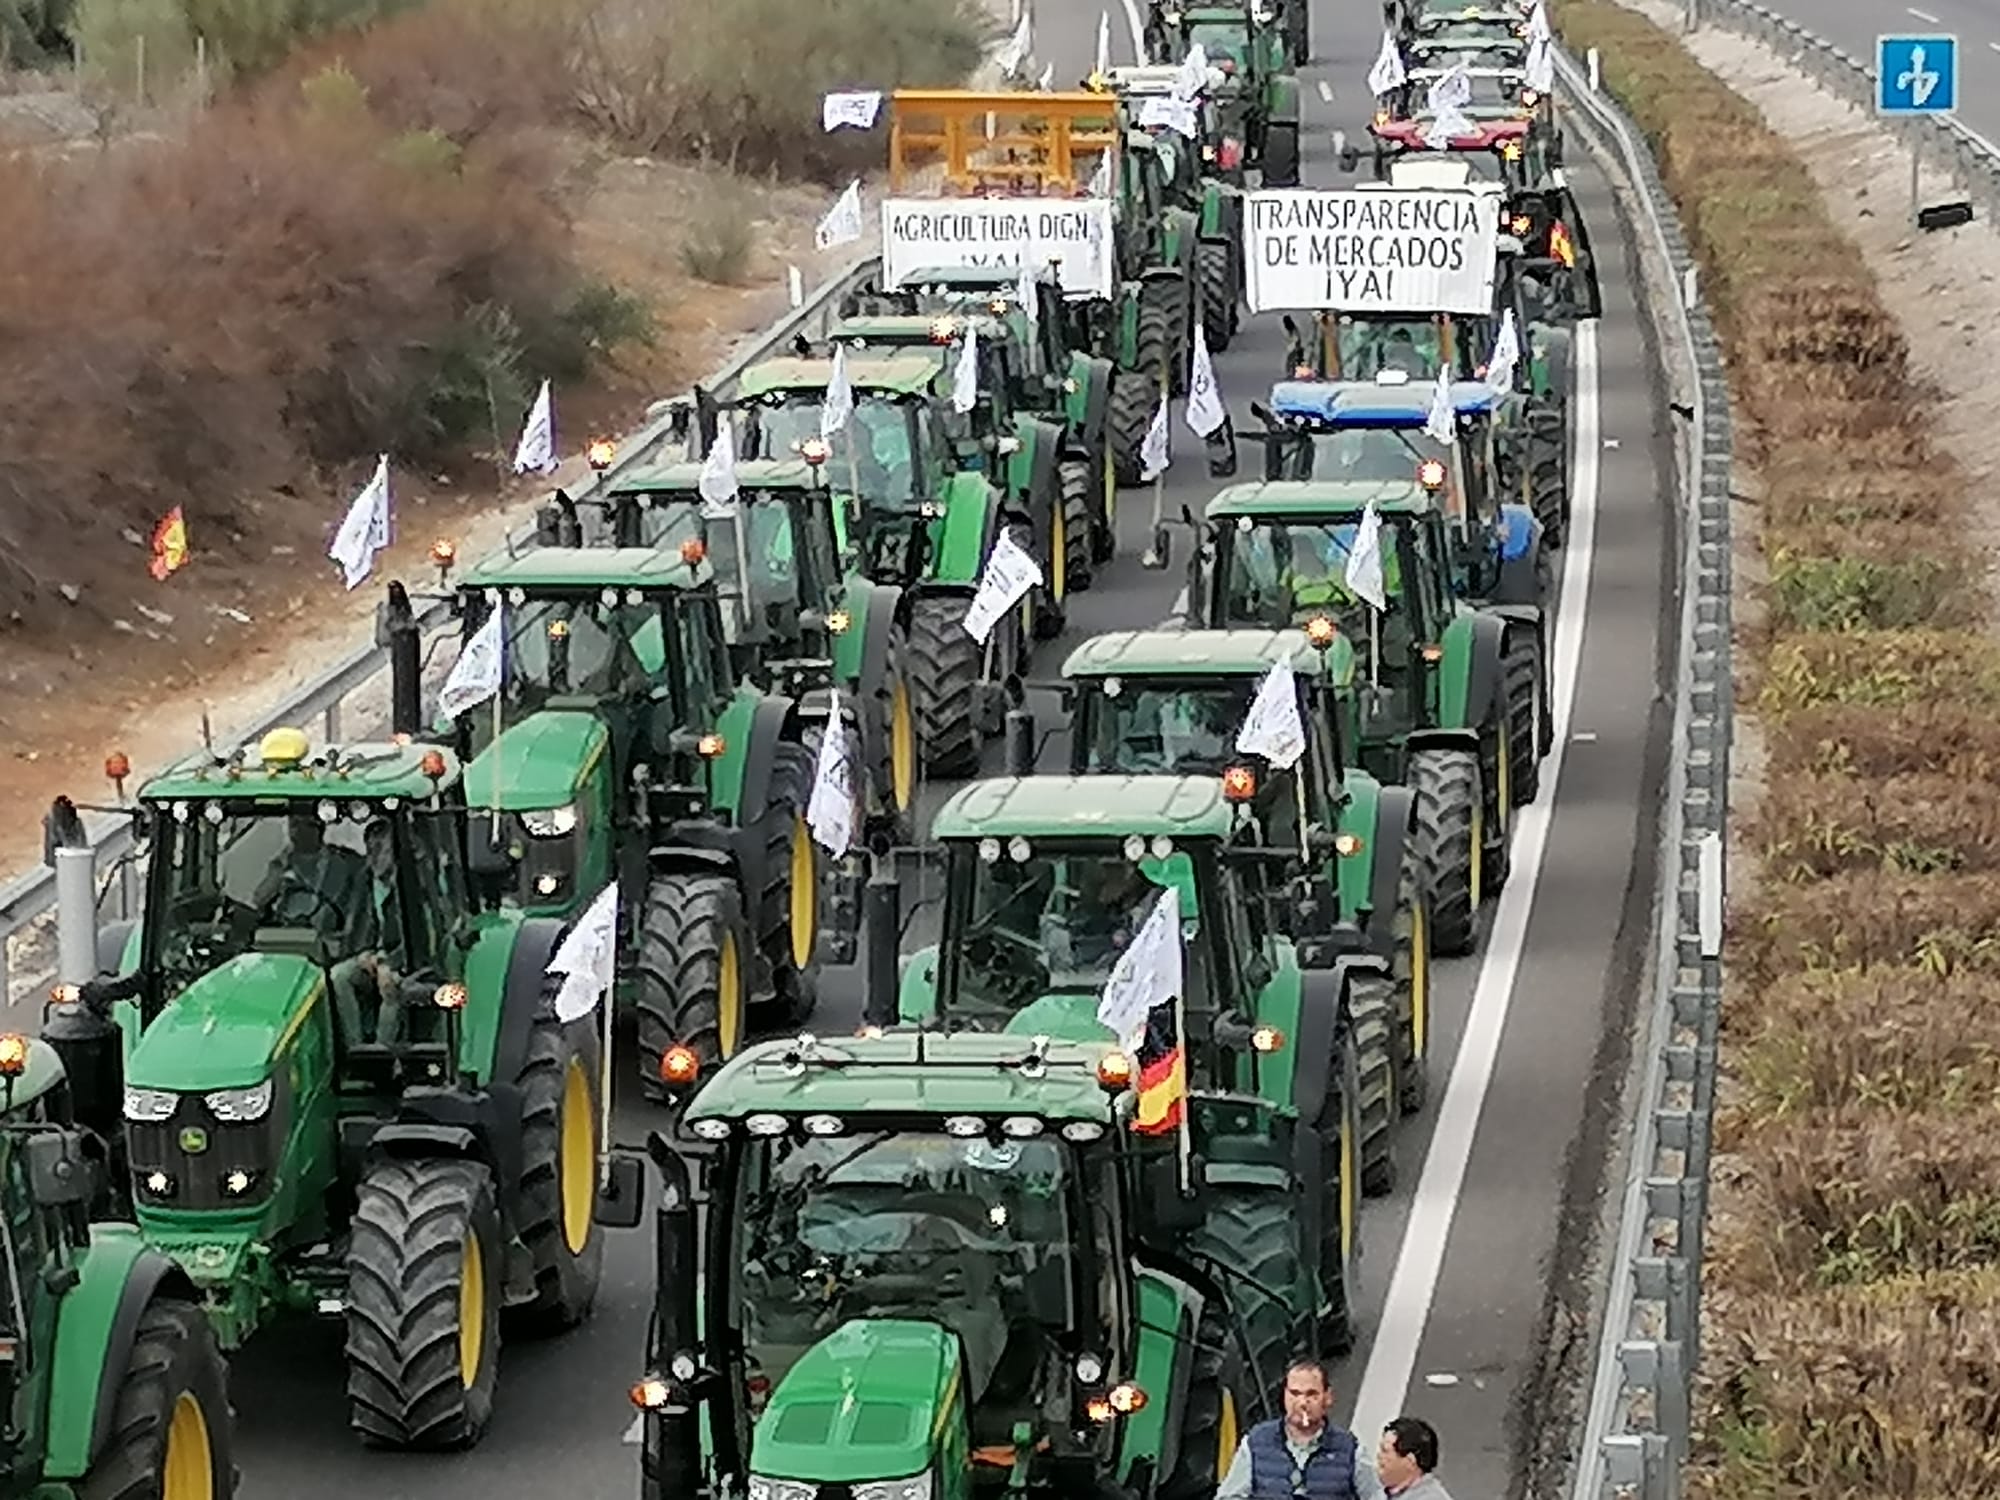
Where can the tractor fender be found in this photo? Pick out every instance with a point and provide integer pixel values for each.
(1283, 99)
(508, 960)
(696, 846)
(1044, 440)
(97, 1322)
(1093, 378)
(464, 1125)
(1528, 619)
(1395, 819)
(1442, 739)
(768, 729)
(1169, 1310)
(1489, 635)
(880, 604)
(1321, 1020)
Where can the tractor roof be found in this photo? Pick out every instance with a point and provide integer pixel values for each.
(685, 474)
(910, 330)
(1371, 404)
(1180, 653)
(900, 372)
(965, 278)
(908, 1073)
(1313, 498)
(286, 764)
(41, 1070)
(1083, 807)
(587, 567)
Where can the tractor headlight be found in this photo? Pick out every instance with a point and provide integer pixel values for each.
(549, 822)
(785, 1489)
(149, 1106)
(916, 1487)
(239, 1105)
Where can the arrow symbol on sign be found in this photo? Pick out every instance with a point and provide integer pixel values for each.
(1916, 80)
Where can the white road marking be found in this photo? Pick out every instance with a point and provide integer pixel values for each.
(1922, 15)
(1994, 45)
(1393, 1356)
(1584, 737)
(1325, 91)
(1138, 29)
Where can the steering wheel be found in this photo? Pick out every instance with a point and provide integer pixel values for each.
(1001, 950)
(293, 886)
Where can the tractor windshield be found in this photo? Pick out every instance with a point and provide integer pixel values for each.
(1368, 346)
(573, 646)
(1282, 574)
(1165, 727)
(1461, 32)
(772, 578)
(975, 1234)
(1381, 455)
(874, 455)
(1221, 40)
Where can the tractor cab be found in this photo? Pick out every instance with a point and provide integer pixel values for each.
(1253, 90)
(1492, 40)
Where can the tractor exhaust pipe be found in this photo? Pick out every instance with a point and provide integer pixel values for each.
(396, 632)
(66, 848)
(671, 1453)
(1020, 742)
(882, 929)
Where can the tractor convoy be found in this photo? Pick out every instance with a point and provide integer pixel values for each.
(1050, 1211)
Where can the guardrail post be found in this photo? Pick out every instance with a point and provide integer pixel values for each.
(1596, 66)
(76, 915)
(332, 723)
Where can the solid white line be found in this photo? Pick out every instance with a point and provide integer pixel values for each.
(1994, 45)
(1393, 1356)
(1922, 15)
(1138, 29)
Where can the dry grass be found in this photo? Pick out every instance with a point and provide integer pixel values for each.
(1854, 1281)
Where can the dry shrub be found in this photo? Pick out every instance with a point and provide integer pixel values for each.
(1869, 920)
(1804, 490)
(1857, 1393)
(1873, 577)
(1812, 826)
(1832, 321)
(1947, 739)
(1881, 669)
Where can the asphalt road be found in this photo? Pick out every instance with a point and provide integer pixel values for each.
(1456, 1261)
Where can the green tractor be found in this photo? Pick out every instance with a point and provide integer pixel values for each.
(337, 1082)
(1452, 699)
(623, 746)
(1259, 94)
(949, 1266)
(1043, 878)
(114, 1384)
(1155, 702)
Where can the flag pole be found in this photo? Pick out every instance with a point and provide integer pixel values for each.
(1184, 1133)
(1374, 646)
(607, 1003)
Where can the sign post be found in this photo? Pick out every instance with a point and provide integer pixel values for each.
(1916, 75)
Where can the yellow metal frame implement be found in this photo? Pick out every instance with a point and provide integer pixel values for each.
(1009, 141)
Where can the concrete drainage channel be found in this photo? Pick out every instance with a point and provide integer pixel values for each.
(1636, 1432)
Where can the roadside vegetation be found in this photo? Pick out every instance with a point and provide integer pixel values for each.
(1852, 1308)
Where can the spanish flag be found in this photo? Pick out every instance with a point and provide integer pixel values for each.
(1161, 1063)
(170, 545)
(1560, 244)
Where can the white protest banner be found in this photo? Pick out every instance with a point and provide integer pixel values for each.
(1370, 251)
(936, 234)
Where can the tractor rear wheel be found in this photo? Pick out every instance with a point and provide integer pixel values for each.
(1496, 778)
(1548, 477)
(1072, 549)
(944, 682)
(171, 1432)
(1254, 1234)
(1412, 964)
(1135, 393)
(695, 966)
(1222, 1402)
(425, 1279)
(789, 924)
(1214, 274)
(1521, 672)
(561, 1099)
(1281, 154)
(895, 766)
(1371, 1007)
(1339, 1130)
(1450, 844)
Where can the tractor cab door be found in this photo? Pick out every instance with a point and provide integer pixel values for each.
(34, 1249)
(1392, 676)
(1428, 567)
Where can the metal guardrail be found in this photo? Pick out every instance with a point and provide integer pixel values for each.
(26, 901)
(1637, 1427)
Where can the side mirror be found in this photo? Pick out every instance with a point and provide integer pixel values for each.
(621, 1200)
(59, 1175)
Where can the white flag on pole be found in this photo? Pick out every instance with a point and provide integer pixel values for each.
(1025, 293)
(1441, 422)
(1506, 355)
(1103, 64)
(1538, 24)
(830, 809)
(965, 373)
(1047, 82)
(1446, 100)
(587, 958)
(1273, 728)
(1193, 76)
(1364, 560)
(1148, 974)
(1205, 411)
(1102, 179)
(1010, 572)
(1388, 74)
(1177, 115)
(1014, 51)
(718, 474)
(537, 449)
(838, 404)
(1541, 66)
(365, 530)
(855, 107)
(1156, 452)
(842, 224)
(475, 676)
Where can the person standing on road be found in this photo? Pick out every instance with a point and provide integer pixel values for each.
(1301, 1455)
(1406, 1459)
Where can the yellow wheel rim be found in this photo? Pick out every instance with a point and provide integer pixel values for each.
(902, 747)
(1504, 803)
(1420, 982)
(471, 1310)
(805, 895)
(1110, 497)
(187, 1469)
(728, 998)
(1347, 1186)
(1226, 1435)
(1478, 875)
(1059, 553)
(579, 1157)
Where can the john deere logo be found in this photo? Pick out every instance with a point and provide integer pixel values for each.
(194, 1140)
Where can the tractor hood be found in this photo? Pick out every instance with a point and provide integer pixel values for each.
(224, 1030)
(1066, 1018)
(537, 763)
(863, 1403)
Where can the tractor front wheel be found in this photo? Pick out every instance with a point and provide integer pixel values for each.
(1071, 549)
(1254, 1232)
(1281, 154)
(1547, 454)
(1371, 1008)
(1215, 283)
(944, 682)
(1412, 961)
(1223, 1400)
(895, 767)
(695, 966)
(1135, 392)
(425, 1281)
(1450, 844)
(561, 1085)
(789, 922)
(1521, 671)
(171, 1432)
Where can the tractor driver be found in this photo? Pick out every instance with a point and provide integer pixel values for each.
(377, 955)
(879, 432)
(1099, 910)
(312, 883)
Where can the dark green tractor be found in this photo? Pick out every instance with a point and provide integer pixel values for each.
(1259, 94)
(1451, 698)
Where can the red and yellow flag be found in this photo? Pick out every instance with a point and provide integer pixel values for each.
(1161, 1061)
(1560, 244)
(170, 545)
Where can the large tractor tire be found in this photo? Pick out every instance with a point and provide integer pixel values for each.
(425, 1279)
(895, 762)
(1496, 779)
(171, 1431)
(1521, 673)
(944, 682)
(1281, 154)
(790, 923)
(1135, 393)
(1547, 452)
(1450, 844)
(1412, 969)
(1215, 286)
(1371, 1005)
(695, 973)
(1223, 1401)
(1072, 550)
(1339, 1127)
(1252, 1236)
(561, 1102)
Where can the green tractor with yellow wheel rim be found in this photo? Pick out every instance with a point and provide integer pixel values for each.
(1174, 702)
(336, 1081)
(622, 746)
(951, 1266)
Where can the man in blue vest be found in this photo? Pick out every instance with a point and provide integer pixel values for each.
(1301, 1455)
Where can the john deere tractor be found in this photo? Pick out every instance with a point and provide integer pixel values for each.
(952, 1266)
(623, 746)
(1174, 701)
(1048, 878)
(1259, 96)
(337, 1083)
(113, 1383)
(1451, 698)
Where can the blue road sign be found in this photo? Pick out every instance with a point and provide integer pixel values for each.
(1916, 75)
